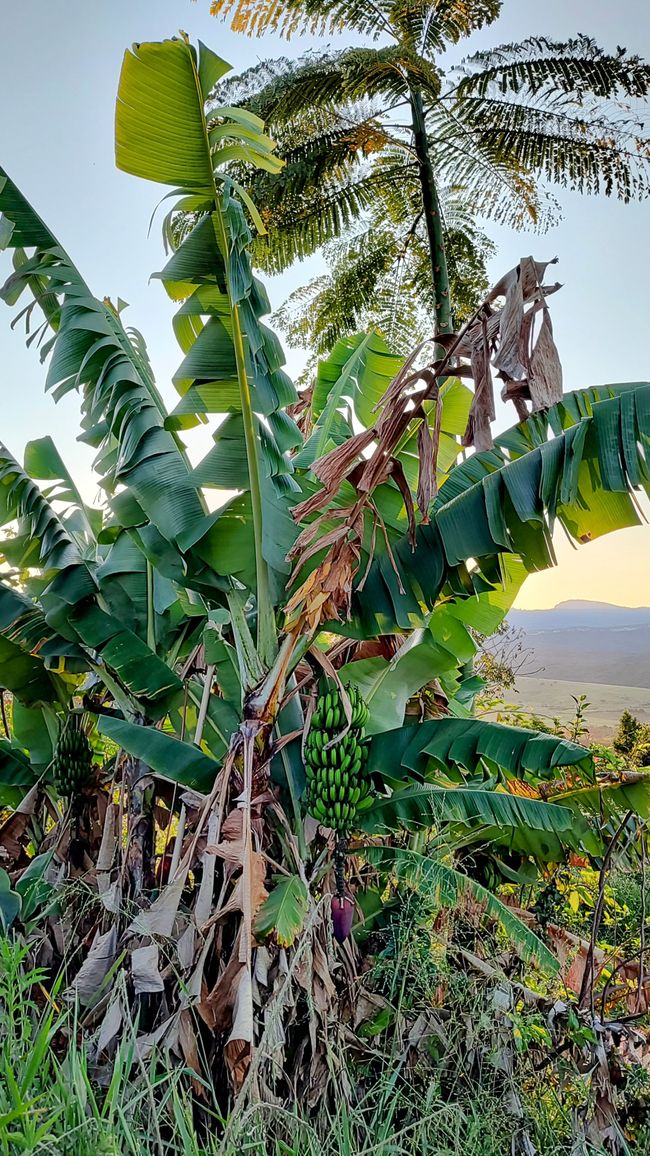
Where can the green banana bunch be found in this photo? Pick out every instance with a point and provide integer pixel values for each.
(337, 787)
(71, 767)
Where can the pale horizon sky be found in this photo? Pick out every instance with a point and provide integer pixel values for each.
(59, 65)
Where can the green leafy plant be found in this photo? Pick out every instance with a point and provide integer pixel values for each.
(627, 733)
(356, 549)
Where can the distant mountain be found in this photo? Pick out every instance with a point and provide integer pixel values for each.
(594, 641)
(578, 614)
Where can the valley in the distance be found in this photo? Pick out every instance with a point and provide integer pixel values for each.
(591, 648)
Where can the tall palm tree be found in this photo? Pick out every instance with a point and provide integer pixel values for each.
(380, 131)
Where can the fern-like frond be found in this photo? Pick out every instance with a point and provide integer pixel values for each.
(345, 301)
(593, 154)
(572, 68)
(430, 27)
(379, 277)
(493, 183)
(300, 224)
(323, 79)
(292, 17)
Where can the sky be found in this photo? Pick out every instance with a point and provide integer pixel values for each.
(59, 67)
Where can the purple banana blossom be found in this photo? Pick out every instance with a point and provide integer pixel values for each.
(342, 916)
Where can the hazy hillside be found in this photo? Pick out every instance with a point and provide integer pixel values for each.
(590, 641)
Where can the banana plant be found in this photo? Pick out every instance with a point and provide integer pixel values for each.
(358, 552)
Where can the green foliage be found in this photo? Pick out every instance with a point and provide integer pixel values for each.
(627, 733)
(9, 903)
(445, 744)
(282, 915)
(378, 274)
(186, 690)
(509, 497)
(163, 753)
(503, 127)
(642, 754)
(49, 1099)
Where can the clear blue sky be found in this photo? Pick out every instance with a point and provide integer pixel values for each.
(59, 65)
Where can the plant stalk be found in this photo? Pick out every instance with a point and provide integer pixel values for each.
(266, 640)
(151, 613)
(432, 216)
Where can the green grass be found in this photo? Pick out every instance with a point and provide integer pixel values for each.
(49, 1102)
(393, 1101)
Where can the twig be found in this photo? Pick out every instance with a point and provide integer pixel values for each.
(641, 983)
(587, 979)
(619, 966)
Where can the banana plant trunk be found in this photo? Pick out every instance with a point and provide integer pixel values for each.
(141, 830)
(432, 216)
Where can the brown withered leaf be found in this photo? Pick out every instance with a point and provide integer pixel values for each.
(239, 1046)
(313, 529)
(404, 377)
(94, 968)
(166, 1032)
(428, 444)
(507, 357)
(545, 378)
(482, 413)
(333, 466)
(301, 411)
(188, 1045)
(326, 592)
(318, 543)
(108, 845)
(248, 894)
(216, 1007)
(572, 953)
(160, 917)
(497, 334)
(331, 470)
(398, 475)
(13, 831)
(145, 970)
(110, 1025)
(203, 905)
(185, 947)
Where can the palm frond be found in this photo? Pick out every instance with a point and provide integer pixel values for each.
(493, 184)
(41, 530)
(428, 26)
(302, 224)
(326, 79)
(422, 806)
(379, 274)
(505, 501)
(435, 746)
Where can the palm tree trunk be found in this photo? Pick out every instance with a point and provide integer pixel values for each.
(432, 216)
